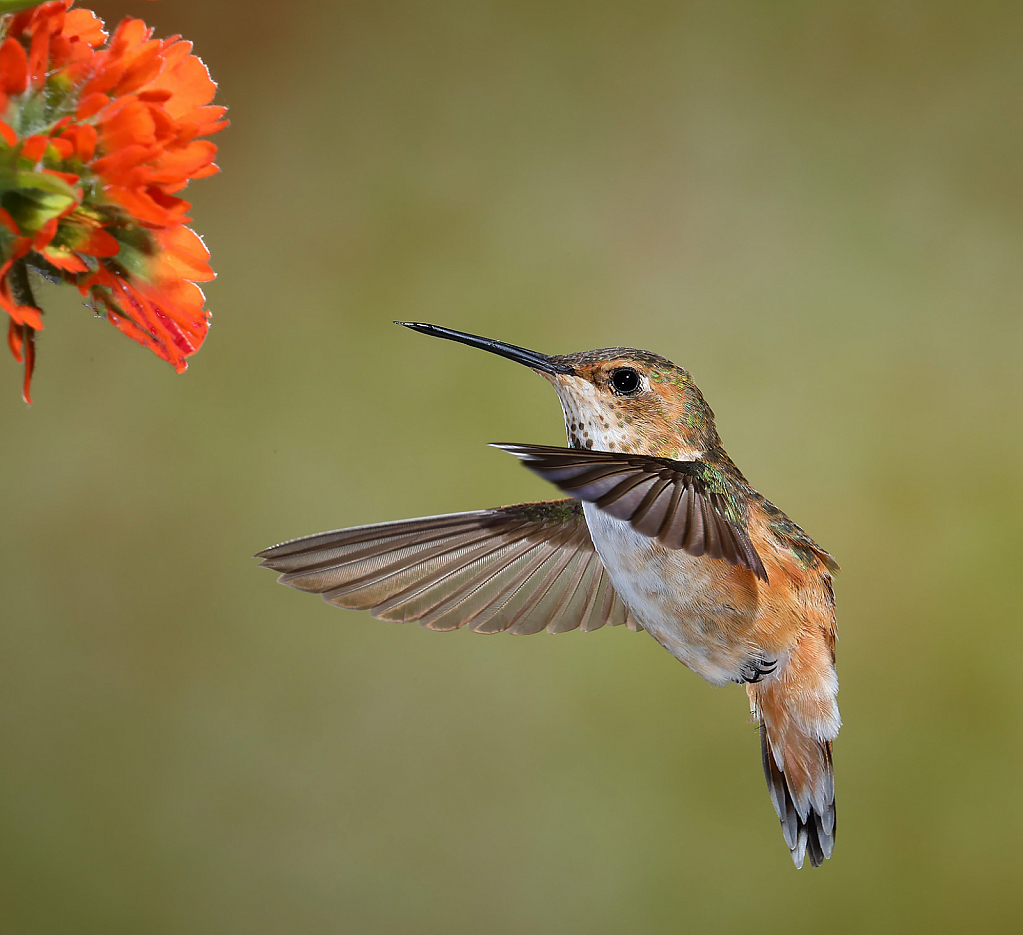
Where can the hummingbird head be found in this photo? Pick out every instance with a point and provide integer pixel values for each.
(615, 399)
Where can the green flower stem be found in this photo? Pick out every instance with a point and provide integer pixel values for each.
(21, 288)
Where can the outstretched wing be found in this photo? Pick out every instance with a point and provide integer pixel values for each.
(670, 501)
(521, 568)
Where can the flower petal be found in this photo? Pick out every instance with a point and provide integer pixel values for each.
(13, 67)
(189, 80)
(85, 26)
(182, 164)
(90, 105)
(65, 260)
(128, 124)
(99, 243)
(38, 57)
(34, 147)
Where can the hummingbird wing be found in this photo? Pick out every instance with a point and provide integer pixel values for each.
(671, 501)
(521, 568)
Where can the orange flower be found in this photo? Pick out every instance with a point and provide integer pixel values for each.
(97, 139)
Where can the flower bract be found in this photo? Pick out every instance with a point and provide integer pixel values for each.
(99, 134)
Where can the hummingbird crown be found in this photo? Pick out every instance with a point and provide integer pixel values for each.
(624, 399)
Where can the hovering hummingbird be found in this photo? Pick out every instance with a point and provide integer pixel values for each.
(661, 532)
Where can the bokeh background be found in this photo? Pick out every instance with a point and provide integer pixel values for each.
(816, 207)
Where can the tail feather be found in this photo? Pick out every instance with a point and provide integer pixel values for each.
(807, 819)
(798, 717)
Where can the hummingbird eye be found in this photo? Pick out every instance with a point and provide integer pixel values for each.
(625, 380)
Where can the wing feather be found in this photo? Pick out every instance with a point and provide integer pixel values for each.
(675, 502)
(521, 568)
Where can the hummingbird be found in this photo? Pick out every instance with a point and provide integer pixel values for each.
(660, 532)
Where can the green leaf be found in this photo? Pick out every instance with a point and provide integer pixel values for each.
(33, 198)
(13, 6)
(51, 184)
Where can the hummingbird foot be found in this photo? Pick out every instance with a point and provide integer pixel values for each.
(755, 669)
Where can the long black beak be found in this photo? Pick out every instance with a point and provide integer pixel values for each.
(532, 359)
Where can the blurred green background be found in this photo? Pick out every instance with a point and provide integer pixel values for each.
(814, 206)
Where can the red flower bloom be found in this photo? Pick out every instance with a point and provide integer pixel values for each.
(96, 141)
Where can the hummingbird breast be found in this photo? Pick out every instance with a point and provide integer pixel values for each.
(701, 610)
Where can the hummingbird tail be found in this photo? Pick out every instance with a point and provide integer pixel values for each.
(810, 829)
(795, 742)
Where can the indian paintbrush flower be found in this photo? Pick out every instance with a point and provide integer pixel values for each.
(97, 140)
